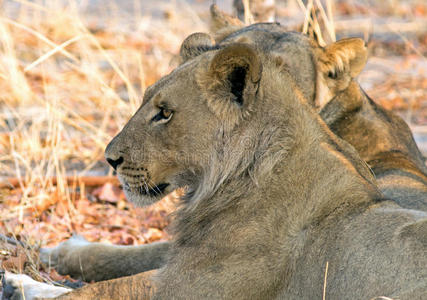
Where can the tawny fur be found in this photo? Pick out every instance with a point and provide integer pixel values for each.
(381, 137)
(348, 99)
(271, 198)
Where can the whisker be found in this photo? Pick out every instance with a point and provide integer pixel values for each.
(153, 188)
(147, 187)
(157, 188)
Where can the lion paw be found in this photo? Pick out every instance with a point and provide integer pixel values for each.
(61, 257)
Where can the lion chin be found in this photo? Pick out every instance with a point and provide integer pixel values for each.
(142, 194)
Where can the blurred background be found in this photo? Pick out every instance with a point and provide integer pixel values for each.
(73, 72)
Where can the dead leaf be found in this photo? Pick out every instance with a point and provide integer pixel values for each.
(108, 192)
(15, 263)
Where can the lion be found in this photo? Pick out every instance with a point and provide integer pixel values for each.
(384, 141)
(327, 75)
(272, 196)
(302, 57)
(97, 261)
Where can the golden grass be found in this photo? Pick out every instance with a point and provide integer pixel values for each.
(67, 89)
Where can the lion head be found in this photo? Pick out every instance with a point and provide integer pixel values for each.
(195, 123)
(171, 140)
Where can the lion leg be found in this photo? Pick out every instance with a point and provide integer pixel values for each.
(96, 261)
(20, 286)
(138, 287)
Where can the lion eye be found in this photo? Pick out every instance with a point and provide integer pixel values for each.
(164, 115)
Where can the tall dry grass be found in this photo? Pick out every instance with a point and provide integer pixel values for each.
(67, 87)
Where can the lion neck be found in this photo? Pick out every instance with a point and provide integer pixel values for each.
(295, 167)
(356, 118)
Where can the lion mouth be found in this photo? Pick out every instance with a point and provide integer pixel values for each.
(153, 191)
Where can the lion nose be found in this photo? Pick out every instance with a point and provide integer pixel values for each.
(115, 163)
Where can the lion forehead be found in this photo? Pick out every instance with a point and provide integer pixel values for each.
(178, 79)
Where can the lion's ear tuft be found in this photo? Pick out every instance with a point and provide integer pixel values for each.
(194, 45)
(231, 81)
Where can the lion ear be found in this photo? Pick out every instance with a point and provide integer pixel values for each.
(339, 63)
(194, 45)
(231, 81)
(347, 55)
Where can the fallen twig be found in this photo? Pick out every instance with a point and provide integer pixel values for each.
(12, 241)
(14, 182)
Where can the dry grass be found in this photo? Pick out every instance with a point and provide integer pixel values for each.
(67, 89)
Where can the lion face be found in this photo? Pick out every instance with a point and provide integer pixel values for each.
(187, 117)
(170, 140)
(150, 154)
